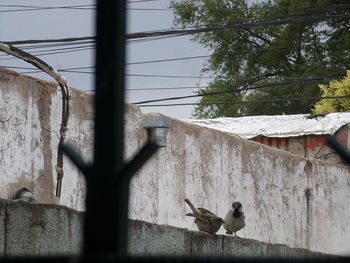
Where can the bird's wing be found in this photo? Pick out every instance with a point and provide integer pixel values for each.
(204, 219)
(200, 218)
(206, 211)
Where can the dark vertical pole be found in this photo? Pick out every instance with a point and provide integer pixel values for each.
(106, 216)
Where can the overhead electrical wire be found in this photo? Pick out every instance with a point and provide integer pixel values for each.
(301, 81)
(244, 52)
(93, 7)
(246, 102)
(237, 89)
(140, 1)
(50, 49)
(128, 74)
(77, 49)
(78, 70)
(310, 8)
(183, 32)
(74, 7)
(54, 45)
(38, 8)
(53, 40)
(91, 46)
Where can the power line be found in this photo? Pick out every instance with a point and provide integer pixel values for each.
(140, 1)
(77, 70)
(48, 49)
(38, 8)
(91, 46)
(247, 102)
(244, 52)
(62, 48)
(170, 88)
(328, 8)
(93, 7)
(131, 75)
(298, 81)
(169, 76)
(54, 40)
(237, 89)
(82, 7)
(164, 88)
(54, 53)
(183, 32)
(53, 45)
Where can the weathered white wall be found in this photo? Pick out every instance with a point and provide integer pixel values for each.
(214, 169)
(30, 114)
(210, 167)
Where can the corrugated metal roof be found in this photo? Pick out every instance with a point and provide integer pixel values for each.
(278, 125)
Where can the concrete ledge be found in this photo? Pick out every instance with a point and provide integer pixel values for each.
(153, 240)
(39, 229)
(45, 229)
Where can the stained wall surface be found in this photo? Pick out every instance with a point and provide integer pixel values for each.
(288, 199)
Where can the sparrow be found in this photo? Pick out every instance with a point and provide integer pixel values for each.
(234, 219)
(205, 220)
(25, 195)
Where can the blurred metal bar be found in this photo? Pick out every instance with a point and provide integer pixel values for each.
(106, 209)
(343, 152)
(139, 159)
(74, 156)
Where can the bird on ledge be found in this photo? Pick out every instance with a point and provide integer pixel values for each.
(205, 220)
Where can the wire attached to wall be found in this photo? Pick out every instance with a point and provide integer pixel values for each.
(62, 82)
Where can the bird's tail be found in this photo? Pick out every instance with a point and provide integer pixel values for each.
(194, 210)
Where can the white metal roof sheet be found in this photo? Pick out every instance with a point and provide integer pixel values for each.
(278, 125)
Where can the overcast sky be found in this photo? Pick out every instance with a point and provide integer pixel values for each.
(17, 24)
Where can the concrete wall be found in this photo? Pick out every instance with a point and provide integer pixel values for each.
(37, 229)
(286, 198)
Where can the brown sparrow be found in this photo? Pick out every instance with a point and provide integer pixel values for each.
(206, 221)
(234, 219)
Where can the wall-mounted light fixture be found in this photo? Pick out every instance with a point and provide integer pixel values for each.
(158, 127)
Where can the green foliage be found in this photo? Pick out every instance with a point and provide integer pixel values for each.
(246, 57)
(335, 88)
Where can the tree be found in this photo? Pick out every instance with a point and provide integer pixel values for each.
(335, 88)
(242, 58)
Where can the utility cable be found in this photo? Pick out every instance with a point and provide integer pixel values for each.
(91, 46)
(183, 32)
(238, 90)
(62, 82)
(38, 8)
(247, 101)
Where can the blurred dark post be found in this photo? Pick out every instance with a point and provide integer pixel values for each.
(106, 201)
